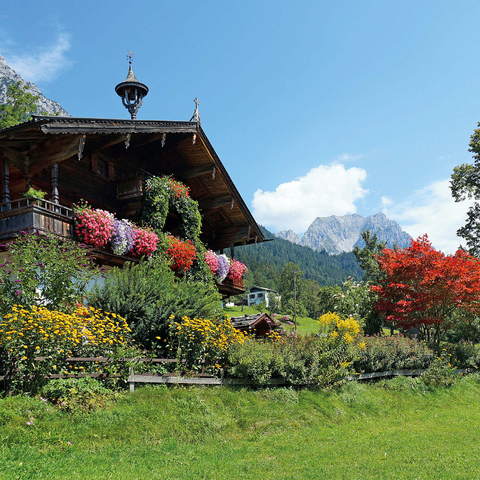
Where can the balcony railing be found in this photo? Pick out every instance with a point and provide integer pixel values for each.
(27, 214)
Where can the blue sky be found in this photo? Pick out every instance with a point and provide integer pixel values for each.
(316, 108)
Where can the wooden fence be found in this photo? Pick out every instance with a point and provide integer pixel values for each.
(202, 378)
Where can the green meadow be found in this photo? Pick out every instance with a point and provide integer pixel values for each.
(393, 429)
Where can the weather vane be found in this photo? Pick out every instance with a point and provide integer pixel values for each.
(130, 56)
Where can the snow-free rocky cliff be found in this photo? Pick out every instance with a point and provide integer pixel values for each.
(8, 75)
(342, 234)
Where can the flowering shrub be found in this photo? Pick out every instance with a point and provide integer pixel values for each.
(310, 360)
(144, 242)
(212, 261)
(38, 332)
(335, 326)
(379, 354)
(123, 237)
(93, 227)
(236, 270)
(195, 339)
(181, 253)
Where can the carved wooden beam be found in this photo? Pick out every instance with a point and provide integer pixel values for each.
(197, 172)
(211, 203)
(230, 236)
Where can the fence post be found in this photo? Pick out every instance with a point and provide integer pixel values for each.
(131, 383)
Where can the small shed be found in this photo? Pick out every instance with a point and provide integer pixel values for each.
(261, 324)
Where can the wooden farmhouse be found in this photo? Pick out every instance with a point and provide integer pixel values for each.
(105, 162)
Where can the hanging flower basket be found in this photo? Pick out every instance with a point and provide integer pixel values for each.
(181, 253)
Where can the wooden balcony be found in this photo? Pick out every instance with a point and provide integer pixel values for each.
(33, 214)
(228, 287)
(30, 214)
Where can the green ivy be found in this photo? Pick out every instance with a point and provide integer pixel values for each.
(164, 194)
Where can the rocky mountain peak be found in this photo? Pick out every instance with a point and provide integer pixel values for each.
(9, 75)
(337, 234)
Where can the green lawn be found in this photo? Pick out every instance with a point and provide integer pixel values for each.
(359, 431)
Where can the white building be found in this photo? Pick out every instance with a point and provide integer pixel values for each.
(260, 294)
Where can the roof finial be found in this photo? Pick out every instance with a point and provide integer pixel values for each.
(196, 113)
(131, 90)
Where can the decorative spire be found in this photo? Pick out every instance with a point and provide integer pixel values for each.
(131, 90)
(196, 113)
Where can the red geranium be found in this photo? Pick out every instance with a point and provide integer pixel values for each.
(181, 253)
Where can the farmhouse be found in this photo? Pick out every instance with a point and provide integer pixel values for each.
(261, 294)
(106, 162)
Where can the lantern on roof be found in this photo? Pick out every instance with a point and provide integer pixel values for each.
(131, 91)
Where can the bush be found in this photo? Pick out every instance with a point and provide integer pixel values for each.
(440, 373)
(42, 270)
(77, 394)
(27, 334)
(147, 295)
(195, 339)
(463, 354)
(380, 354)
(312, 360)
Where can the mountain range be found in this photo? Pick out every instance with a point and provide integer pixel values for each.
(45, 105)
(342, 234)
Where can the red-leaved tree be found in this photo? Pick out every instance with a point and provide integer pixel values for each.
(423, 287)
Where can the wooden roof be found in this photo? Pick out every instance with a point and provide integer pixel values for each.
(159, 147)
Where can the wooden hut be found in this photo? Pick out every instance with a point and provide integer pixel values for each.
(261, 324)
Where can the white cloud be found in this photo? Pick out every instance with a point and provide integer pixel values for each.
(431, 211)
(325, 190)
(43, 64)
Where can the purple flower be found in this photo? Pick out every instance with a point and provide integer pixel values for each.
(222, 268)
(17, 281)
(18, 293)
(122, 237)
(29, 423)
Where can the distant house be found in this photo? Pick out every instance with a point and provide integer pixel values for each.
(260, 294)
(260, 324)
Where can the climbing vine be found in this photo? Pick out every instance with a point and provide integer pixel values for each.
(164, 194)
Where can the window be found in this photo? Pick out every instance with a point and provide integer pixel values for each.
(252, 296)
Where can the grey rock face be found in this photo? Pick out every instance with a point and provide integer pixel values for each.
(8, 75)
(289, 235)
(342, 234)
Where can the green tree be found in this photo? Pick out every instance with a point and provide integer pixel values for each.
(465, 184)
(357, 300)
(326, 299)
(366, 257)
(19, 107)
(309, 297)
